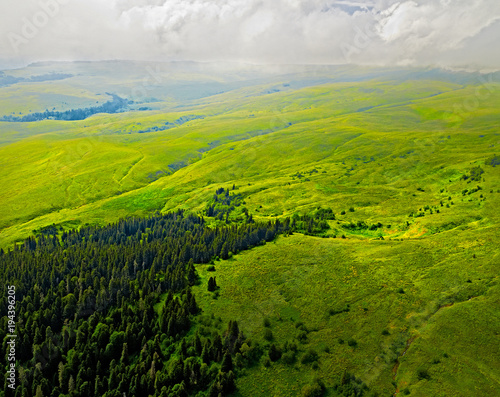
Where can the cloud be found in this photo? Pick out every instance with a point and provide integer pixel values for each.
(419, 31)
(381, 32)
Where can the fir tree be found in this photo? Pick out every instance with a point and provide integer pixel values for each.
(212, 284)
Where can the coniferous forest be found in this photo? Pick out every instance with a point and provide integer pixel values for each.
(113, 106)
(86, 318)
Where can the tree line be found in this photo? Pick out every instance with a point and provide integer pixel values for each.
(115, 105)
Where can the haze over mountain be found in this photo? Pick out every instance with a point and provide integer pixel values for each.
(455, 34)
(242, 198)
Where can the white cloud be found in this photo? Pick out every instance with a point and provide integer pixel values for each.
(438, 32)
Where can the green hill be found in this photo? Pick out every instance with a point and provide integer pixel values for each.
(400, 289)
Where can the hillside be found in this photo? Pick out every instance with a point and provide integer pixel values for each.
(390, 177)
(247, 136)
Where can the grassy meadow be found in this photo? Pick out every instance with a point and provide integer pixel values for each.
(286, 151)
(416, 301)
(402, 289)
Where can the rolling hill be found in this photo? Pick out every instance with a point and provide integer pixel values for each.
(400, 289)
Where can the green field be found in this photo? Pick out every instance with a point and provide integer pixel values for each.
(432, 300)
(408, 270)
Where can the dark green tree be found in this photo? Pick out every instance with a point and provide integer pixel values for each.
(212, 284)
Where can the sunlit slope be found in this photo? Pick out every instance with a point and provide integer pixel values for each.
(365, 145)
(409, 306)
(386, 170)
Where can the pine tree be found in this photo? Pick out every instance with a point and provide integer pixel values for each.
(205, 356)
(124, 357)
(227, 363)
(97, 386)
(274, 352)
(197, 343)
(61, 374)
(191, 273)
(212, 284)
(344, 379)
(71, 384)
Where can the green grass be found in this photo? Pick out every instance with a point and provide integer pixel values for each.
(100, 163)
(301, 278)
(393, 151)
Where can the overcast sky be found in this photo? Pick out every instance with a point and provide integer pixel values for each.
(454, 33)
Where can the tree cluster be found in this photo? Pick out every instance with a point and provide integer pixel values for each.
(85, 316)
(168, 125)
(113, 106)
(362, 225)
(223, 203)
(310, 224)
(475, 174)
(493, 160)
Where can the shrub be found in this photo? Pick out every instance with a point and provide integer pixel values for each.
(314, 390)
(289, 346)
(274, 352)
(493, 160)
(302, 336)
(288, 357)
(423, 374)
(309, 357)
(351, 342)
(266, 322)
(268, 334)
(474, 174)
